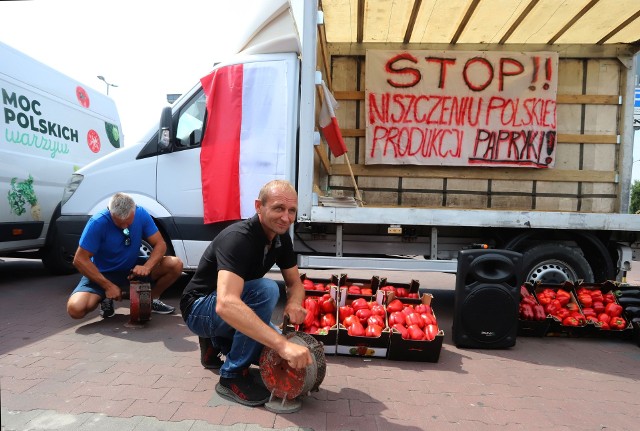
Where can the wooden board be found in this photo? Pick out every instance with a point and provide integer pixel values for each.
(584, 178)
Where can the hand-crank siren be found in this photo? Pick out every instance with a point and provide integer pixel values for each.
(140, 302)
(286, 384)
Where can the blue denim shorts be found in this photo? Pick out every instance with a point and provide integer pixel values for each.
(119, 278)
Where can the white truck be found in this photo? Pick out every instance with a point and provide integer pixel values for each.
(51, 126)
(546, 174)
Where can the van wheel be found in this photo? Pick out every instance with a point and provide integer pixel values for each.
(54, 258)
(555, 264)
(146, 248)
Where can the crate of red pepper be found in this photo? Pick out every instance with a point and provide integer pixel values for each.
(402, 290)
(362, 326)
(320, 321)
(360, 288)
(532, 318)
(602, 310)
(415, 335)
(317, 284)
(561, 306)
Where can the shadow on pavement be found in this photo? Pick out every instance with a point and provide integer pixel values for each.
(168, 329)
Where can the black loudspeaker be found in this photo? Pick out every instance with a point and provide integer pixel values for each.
(487, 297)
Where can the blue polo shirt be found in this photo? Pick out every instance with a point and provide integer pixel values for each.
(106, 241)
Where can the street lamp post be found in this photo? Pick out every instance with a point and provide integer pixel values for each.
(101, 78)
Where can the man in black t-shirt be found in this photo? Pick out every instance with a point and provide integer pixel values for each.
(229, 304)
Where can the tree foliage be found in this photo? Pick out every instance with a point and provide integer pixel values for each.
(634, 206)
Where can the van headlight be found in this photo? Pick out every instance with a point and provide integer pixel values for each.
(71, 187)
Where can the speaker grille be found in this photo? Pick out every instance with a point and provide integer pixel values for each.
(486, 298)
(487, 313)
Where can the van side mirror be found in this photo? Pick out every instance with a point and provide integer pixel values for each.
(166, 129)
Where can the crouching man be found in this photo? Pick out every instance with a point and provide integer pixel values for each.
(107, 257)
(229, 304)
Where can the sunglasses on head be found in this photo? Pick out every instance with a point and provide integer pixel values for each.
(127, 238)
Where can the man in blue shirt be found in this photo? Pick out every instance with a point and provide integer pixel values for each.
(108, 256)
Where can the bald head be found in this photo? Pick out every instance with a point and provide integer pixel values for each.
(273, 187)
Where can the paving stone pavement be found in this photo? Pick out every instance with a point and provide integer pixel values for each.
(61, 374)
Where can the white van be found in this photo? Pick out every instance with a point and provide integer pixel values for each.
(166, 178)
(51, 126)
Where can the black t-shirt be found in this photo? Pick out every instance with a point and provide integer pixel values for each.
(242, 248)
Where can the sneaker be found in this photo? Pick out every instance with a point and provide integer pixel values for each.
(209, 354)
(243, 390)
(160, 307)
(106, 308)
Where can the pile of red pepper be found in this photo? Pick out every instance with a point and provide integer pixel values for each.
(601, 309)
(559, 304)
(321, 314)
(529, 308)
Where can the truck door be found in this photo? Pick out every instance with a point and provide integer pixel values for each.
(178, 172)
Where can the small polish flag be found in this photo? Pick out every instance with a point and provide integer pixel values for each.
(244, 143)
(329, 123)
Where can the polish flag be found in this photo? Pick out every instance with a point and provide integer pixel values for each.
(329, 123)
(244, 145)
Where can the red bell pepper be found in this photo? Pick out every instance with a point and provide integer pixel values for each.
(572, 306)
(583, 290)
(543, 298)
(613, 309)
(609, 297)
(562, 313)
(549, 292)
(551, 307)
(579, 316)
(589, 312)
(604, 325)
(617, 323)
(604, 317)
(526, 311)
(598, 307)
(563, 296)
(538, 312)
(585, 299)
(592, 319)
(570, 321)
(596, 295)
(528, 300)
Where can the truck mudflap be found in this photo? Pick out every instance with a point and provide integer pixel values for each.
(69, 229)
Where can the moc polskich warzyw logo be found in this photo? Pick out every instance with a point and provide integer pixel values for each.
(26, 115)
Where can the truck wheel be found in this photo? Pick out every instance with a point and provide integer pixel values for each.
(555, 264)
(53, 257)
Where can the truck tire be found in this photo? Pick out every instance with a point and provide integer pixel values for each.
(53, 257)
(555, 264)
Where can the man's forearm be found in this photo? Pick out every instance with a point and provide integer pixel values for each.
(242, 318)
(156, 256)
(295, 294)
(91, 271)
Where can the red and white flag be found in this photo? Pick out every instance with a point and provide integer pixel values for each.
(245, 139)
(329, 123)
